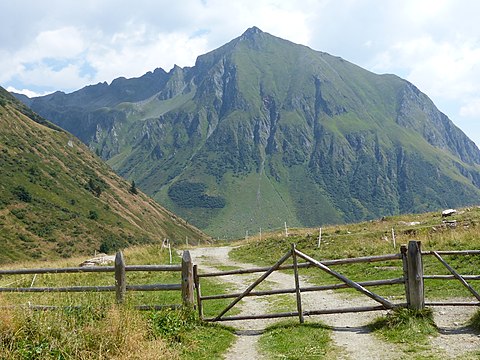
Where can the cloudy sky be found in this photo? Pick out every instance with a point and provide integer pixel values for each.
(64, 45)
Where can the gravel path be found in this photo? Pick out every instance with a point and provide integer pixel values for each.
(350, 333)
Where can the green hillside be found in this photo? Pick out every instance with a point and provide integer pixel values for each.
(57, 199)
(262, 131)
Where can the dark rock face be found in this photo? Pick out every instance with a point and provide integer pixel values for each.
(278, 132)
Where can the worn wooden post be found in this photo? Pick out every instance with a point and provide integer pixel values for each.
(196, 278)
(120, 277)
(403, 250)
(187, 279)
(297, 284)
(415, 275)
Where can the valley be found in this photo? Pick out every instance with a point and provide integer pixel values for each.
(263, 131)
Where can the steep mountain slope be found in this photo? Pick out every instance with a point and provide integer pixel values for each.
(262, 131)
(58, 199)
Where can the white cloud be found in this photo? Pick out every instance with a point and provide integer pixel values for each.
(66, 44)
(129, 54)
(27, 92)
(471, 109)
(444, 70)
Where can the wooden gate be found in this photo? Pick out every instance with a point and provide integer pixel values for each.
(455, 275)
(295, 254)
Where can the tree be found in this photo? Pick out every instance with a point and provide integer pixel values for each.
(133, 188)
(22, 194)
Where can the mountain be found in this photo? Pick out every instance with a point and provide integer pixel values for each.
(57, 199)
(262, 131)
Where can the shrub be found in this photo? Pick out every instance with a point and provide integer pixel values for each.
(191, 195)
(112, 243)
(96, 186)
(93, 215)
(22, 194)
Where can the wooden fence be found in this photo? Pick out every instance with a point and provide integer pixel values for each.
(412, 278)
(190, 282)
(121, 287)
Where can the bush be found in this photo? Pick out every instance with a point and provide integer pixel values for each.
(22, 194)
(192, 195)
(111, 244)
(96, 186)
(93, 215)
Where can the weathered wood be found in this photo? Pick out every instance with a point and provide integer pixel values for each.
(153, 268)
(452, 252)
(457, 276)
(415, 276)
(451, 303)
(149, 287)
(297, 285)
(364, 259)
(187, 280)
(198, 291)
(60, 289)
(306, 313)
(120, 277)
(387, 304)
(450, 277)
(79, 307)
(403, 251)
(157, 307)
(89, 269)
(305, 289)
(258, 281)
(67, 270)
(155, 287)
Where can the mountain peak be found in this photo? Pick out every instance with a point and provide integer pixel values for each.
(250, 32)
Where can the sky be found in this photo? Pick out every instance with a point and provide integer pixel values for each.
(64, 45)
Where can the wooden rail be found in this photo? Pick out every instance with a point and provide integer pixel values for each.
(412, 278)
(305, 289)
(298, 290)
(185, 285)
(302, 265)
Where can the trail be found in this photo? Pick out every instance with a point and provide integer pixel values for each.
(349, 330)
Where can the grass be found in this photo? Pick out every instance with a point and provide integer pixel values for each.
(100, 329)
(474, 322)
(374, 238)
(282, 303)
(410, 328)
(113, 333)
(290, 340)
(58, 200)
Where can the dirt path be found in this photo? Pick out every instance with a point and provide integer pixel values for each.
(349, 330)
(350, 333)
(455, 338)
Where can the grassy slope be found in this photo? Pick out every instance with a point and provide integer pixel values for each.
(58, 215)
(374, 238)
(102, 330)
(318, 136)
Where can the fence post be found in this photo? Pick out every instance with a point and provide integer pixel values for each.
(297, 284)
(403, 250)
(120, 277)
(187, 279)
(415, 275)
(196, 278)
